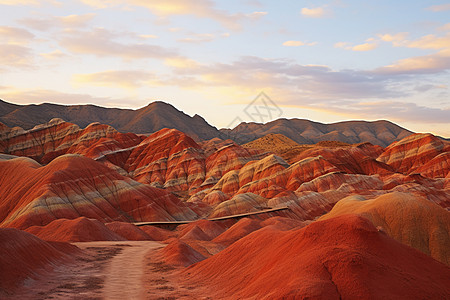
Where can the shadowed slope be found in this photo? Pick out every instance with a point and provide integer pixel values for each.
(341, 258)
(23, 255)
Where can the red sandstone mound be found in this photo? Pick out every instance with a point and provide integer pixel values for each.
(200, 230)
(23, 255)
(49, 140)
(128, 231)
(340, 258)
(282, 223)
(242, 228)
(415, 151)
(180, 254)
(411, 220)
(168, 158)
(72, 186)
(77, 230)
(156, 233)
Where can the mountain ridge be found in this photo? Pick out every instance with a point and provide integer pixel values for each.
(148, 119)
(158, 115)
(303, 131)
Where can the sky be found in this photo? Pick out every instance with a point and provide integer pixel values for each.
(232, 61)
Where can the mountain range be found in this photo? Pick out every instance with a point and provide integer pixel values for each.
(158, 115)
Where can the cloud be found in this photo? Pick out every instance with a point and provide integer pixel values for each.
(19, 2)
(427, 64)
(148, 36)
(37, 96)
(430, 42)
(70, 21)
(364, 47)
(128, 79)
(309, 82)
(15, 55)
(293, 43)
(256, 14)
(198, 38)
(445, 27)
(14, 35)
(315, 12)
(102, 42)
(198, 8)
(29, 2)
(438, 8)
(402, 111)
(56, 54)
(397, 40)
(361, 47)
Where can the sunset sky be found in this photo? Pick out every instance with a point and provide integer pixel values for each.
(326, 61)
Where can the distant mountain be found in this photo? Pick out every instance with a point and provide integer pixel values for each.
(158, 115)
(381, 133)
(149, 119)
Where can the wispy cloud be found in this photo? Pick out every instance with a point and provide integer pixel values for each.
(364, 47)
(29, 2)
(315, 12)
(102, 42)
(15, 35)
(360, 47)
(56, 54)
(15, 56)
(298, 43)
(69, 21)
(19, 2)
(198, 8)
(128, 79)
(14, 47)
(200, 38)
(440, 7)
(37, 96)
(427, 64)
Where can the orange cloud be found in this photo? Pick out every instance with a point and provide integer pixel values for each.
(364, 47)
(123, 79)
(438, 8)
(14, 35)
(56, 54)
(102, 42)
(198, 8)
(315, 12)
(432, 63)
(15, 55)
(293, 43)
(70, 21)
(361, 47)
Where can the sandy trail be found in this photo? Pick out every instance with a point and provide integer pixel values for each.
(124, 275)
(106, 270)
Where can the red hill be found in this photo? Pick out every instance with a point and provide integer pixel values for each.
(341, 258)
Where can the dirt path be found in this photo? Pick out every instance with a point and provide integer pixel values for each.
(106, 270)
(124, 275)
